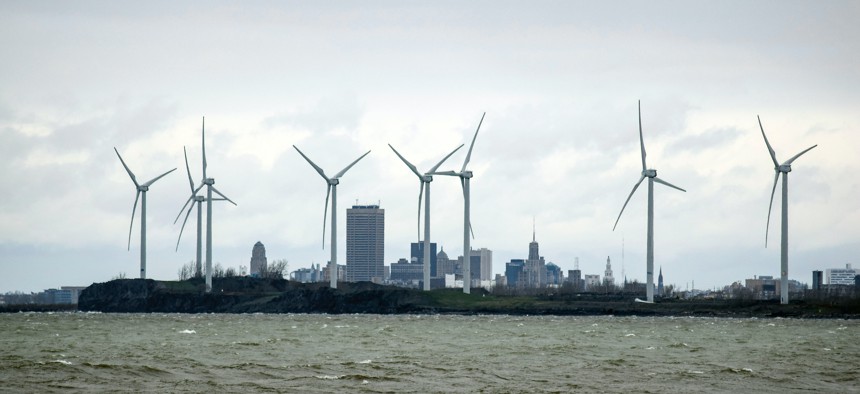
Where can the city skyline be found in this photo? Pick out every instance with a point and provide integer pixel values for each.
(559, 83)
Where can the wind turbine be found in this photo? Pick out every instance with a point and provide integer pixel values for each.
(140, 189)
(331, 190)
(199, 200)
(783, 168)
(651, 174)
(208, 182)
(425, 179)
(465, 176)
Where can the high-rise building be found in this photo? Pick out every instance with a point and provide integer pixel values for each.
(514, 272)
(405, 271)
(417, 255)
(591, 281)
(258, 259)
(608, 279)
(816, 280)
(841, 276)
(485, 264)
(659, 282)
(444, 265)
(535, 268)
(554, 275)
(365, 243)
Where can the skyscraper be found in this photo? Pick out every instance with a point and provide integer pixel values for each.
(417, 254)
(608, 279)
(535, 268)
(365, 243)
(258, 259)
(660, 282)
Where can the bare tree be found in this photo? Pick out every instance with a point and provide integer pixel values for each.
(187, 271)
(275, 270)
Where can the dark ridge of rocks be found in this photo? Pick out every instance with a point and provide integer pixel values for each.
(255, 295)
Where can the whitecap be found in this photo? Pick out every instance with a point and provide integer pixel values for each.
(649, 348)
(329, 377)
(64, 362)
(364, 381)
(630, 335)
(365, 362)
(188, 332)
(695, 372)
(747, 370)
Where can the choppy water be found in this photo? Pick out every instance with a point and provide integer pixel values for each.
(409, 353)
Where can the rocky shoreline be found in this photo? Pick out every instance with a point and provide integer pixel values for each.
(251, 295)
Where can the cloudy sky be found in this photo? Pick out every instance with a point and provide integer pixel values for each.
(559, 82)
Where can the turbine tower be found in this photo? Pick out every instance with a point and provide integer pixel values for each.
(199, 200)
(140, 189)
(331, 190)
(467, 224)
(209, 183)
(425, 179)
(651, 174)
(784, 169)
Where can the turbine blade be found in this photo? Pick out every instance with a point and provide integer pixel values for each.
(408, 164)
(446, 158)
(158, 177)
(133, 210)
(769, 148)
(658, 180)
(791, 160)
(420, 196)
(325, 213)
(636, 186)
(188, 170)
(316, 167)
(343, 171)
(641, 139)
(770, 206)
(203, 128)
(469, 155)
(183, 208)
(470, 229)
(222, 195)
(183, 225)
(133, 178)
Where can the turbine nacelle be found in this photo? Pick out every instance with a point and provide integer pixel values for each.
(334, 181)
(786, 168)
(199, 198)
(143, 188)
(650, 173)
(208, 181)
(427, 178)
(466, 174)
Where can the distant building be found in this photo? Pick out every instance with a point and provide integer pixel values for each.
(417, 254)
(842, 276)
(485, 265)
(554, 275)
(608, 279)
(817, 277)
(535, 268)
(575, 277)
(405, 271)
(514, 273)
(258, 260)
(591, 281)
(660, 288)
(307, 275)
(365, 243)
(444, 265)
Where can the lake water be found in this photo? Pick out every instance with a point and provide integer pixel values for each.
(44, 352)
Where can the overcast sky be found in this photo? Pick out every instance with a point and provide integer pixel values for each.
(559, 82)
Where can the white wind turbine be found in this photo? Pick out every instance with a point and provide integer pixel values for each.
(425, 179)
(199, 200)
(651, 174)
(784, 169)
(331, 190)
(465, 176)
(208, 182)
(140, 189)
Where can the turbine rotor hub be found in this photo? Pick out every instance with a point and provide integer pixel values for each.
(784, 168)
(466, 174)
(209, 181)
(427, 178)
(143, 188)
(199, 198)
(650, 173)
(334, 181)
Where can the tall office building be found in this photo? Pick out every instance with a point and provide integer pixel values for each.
(841, 276)
(417, 255)
(535, 268)
(365, 243)
(258, 259)
(608, 279)
(485, 265)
